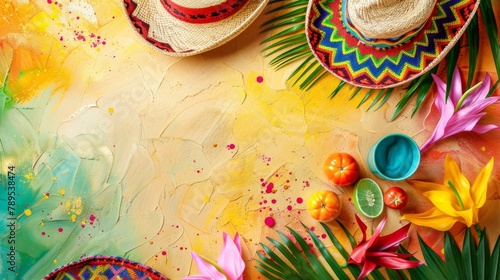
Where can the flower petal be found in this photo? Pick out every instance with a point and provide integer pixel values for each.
(230, 258)
(206, 268)
(427, 186)
(362, 226)
(432, 218)
(468, 216)
(479, 93)
(445, 201)
(367, 268)
(484, 128)
(395, 262)
(456, 86)
(452, 173)
(197, 277)
(480, 186)
(392, 240)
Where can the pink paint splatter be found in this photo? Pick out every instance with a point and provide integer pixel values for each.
(270, 222)
(231, 146)
(60, 229)
(300, 200)
(269, 188)
(164, 253)
(289, 207)
(273, 201)
(260, 79)
(43, 232)
(323, 235)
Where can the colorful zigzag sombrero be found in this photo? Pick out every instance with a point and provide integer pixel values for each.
(104, 267)
(380, 65)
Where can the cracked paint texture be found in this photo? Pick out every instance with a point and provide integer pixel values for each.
(120, 150)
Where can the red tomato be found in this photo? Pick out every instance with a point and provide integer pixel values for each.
(341, 169)
(395, 198)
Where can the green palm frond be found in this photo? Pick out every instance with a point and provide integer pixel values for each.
(473, 262)
(297, 261)
(289, 45)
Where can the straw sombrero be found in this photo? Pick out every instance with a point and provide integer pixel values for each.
(105, 267)
(385, 43)
(188, 27)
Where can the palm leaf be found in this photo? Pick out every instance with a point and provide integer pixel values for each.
(451, 64)
(452, 256)
(492, 30)
(337, 269)
(483, 257)
(437, 267)
(495, 261)
(473, 39)
(469, 255)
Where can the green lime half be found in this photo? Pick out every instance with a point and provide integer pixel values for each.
(368, 198)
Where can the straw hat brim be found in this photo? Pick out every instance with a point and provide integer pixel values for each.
(99, 266)
(363, 65)
(174, 37)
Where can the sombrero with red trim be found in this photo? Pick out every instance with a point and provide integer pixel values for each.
(385, 43)
(188, 27)
(105, 267)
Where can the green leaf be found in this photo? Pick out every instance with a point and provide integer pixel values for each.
(285, 32)
(337, 269)
(437, 268)
(367, 95)
(319, 269)
(299, 261)
(451, 63)
(355, 92)
(414, 85)
(268, 271)
(288, 6)
(417, 272)
(297, 39)
(276, 258)
(382, 92)
(352, 268)
(453, 257)
(337, 89)
(473, 40)
(349, 235)
(271, 263)
(422, 93)
(289, 21)
(386, 97)
(483, 257)
(312, 77)
(266, 274)
(492, 30)
(495, 261)
(286, 16)
(469, 255)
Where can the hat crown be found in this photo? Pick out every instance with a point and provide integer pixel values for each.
(381, 19)
(197, 4)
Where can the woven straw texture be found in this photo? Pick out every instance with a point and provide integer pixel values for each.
(103, 267)
(177, 38)
(343, 54)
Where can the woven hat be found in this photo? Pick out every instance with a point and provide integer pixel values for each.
(385, 43)
(105, 267)
(188, 27)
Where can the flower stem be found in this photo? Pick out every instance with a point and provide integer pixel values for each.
(464, 96)
(457, 195)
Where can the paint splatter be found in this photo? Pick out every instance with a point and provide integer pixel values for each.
(231, 146)
(260, 79)
(270, 222)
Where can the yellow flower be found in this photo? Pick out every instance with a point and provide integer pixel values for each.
(455, 200)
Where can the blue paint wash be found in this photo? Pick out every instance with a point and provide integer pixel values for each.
(395, 157)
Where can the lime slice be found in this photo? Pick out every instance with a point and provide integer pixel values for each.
(368, 198)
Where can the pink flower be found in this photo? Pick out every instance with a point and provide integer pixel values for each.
(462, 111)
(381, 250)
(229, 266)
